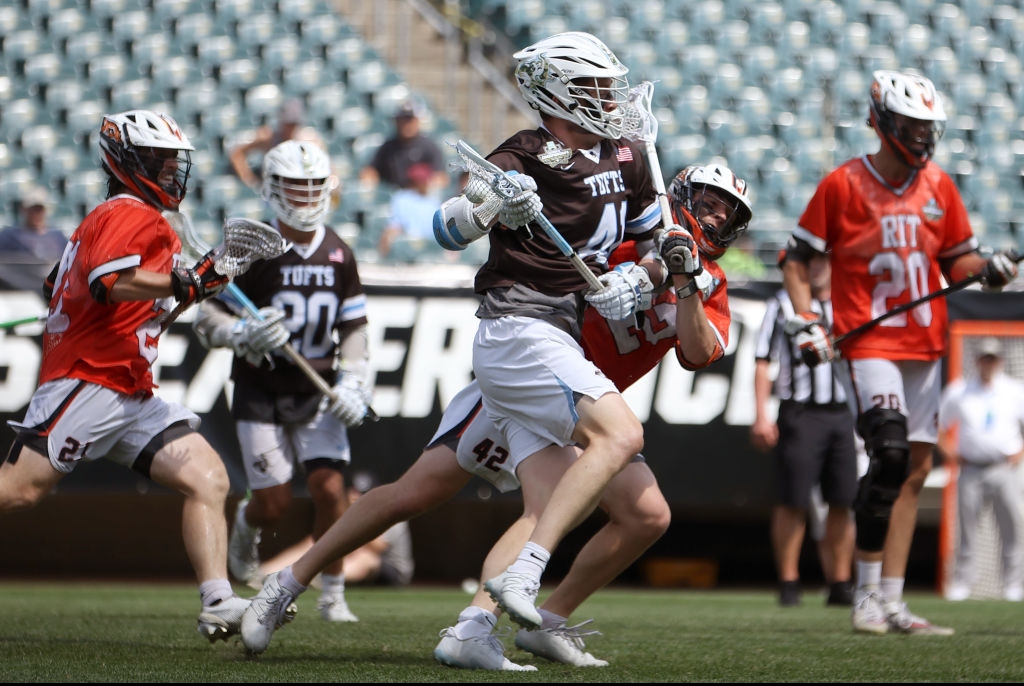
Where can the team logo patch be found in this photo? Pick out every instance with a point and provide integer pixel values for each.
(554, 155)
(931, 210)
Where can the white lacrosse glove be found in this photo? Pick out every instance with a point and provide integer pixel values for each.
(627, 288)
(809, 335)
(678, 251)
(1000, 270)
(351, 400)
(524, 206)
(253, 338)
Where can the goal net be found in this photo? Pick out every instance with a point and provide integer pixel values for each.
(965, 336)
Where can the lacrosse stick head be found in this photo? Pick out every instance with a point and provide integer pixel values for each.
(245, 241)
(717, 199)
(638, 120)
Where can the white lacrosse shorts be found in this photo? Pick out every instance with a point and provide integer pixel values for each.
(912, 387)
(108, 423)
(530, 373)
(481, 449)
(271, 451)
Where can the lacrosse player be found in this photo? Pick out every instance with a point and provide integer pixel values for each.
(467, 443)
(119, 275)
(310, 297)
(894, 225)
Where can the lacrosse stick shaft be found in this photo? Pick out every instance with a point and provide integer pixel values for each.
(499, 175)
(294, 355)
(25, 320)
(900, 309)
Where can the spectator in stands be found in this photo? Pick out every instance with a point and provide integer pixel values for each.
(411, 223)
(247, 157)
(34, 238)
(813, 443)
(408, 146)
(987, 412)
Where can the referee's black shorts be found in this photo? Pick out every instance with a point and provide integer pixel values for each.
(816, 445)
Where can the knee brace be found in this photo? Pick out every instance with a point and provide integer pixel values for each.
(885, 439)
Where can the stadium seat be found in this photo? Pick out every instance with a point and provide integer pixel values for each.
(303, 77)
(38, 140)
(948, 22)
(130, 94)
(12, 19)
(263, 101)
(912, 45)
(62, 25)
(105, 70)
(255, 31)
(42, 68)
(231, 10)
(888, 21)
(827, 20)
(214, 51)
(16, 116)
(84, 119)
(126, 26)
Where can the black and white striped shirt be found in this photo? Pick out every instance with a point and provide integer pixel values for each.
(795, 380)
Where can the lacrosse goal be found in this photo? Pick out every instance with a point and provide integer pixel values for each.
(964, 338)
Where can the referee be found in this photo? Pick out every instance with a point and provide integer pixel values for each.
(813, 444)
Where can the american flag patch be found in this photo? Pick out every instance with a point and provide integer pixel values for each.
(336, 255)
(624, 155)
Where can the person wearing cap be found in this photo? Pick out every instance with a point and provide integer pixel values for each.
(406, 147)
(980, 424)
(290, 126)
(34, 236)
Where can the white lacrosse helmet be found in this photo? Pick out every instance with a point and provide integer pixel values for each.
(913, 96)
(717, 224)
(574, 76)
(297, 183)
(134, 147)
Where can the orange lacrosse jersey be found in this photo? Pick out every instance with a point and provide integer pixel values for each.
(886, 243)
(110, 344)
(628, 349)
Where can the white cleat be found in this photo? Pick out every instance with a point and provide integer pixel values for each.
(218, 622)
(333, 608)
(903, 621)
(516, 594)
(561, 644)
(867, 614)
(483, 651)
(269, 609)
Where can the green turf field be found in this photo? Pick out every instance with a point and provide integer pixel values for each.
(106, 632)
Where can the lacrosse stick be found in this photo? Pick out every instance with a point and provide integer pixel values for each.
(25, 320)
(245, 241)
(640, 124)
(900, 309)
(504, 184)
(196, 245)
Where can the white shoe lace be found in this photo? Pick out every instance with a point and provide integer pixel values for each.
(573, 634)
(271, 611)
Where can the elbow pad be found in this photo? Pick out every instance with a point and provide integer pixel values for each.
(459, 222)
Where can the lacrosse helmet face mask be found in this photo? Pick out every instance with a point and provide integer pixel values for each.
(906, 112)
(718, 200)
(574, 76)
(135, 147)
(297, 183)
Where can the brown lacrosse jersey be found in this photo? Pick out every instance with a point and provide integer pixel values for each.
(323, 299)
(595, 199)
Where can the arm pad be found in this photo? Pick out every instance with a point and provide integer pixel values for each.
(459, 222)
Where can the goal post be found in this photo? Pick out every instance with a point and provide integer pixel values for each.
(964, 338)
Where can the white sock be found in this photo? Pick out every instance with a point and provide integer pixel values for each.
(532, 561)
(868, 574)
(213, 591)
(475, 621)
(288, 582)
(549, 620)
(332, 584)
(892, 588)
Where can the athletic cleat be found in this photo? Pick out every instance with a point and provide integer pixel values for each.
(957, 592)
(243, 547)
(840, 594)
(218, 622)
(867, 615)
(482, 651)
(562, 644)
(789, 593)
(515, 594)
(333, 608)
(903, 621)
(269, 610)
